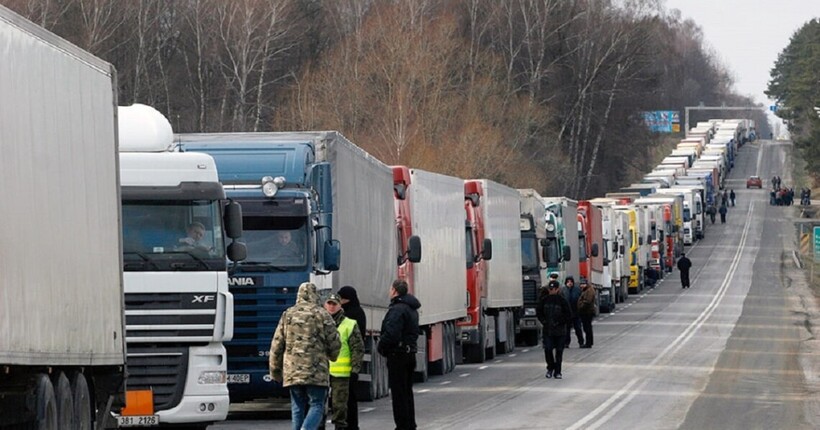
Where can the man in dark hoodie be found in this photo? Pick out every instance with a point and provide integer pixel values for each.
(352, 309)
(554, 313)
(400, 331)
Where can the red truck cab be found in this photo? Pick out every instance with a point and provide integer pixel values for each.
(409, 251)
(589, 225)
(478, 251)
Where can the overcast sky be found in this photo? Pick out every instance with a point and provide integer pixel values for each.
(748, 35)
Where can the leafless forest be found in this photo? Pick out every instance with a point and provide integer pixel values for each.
(544, 94)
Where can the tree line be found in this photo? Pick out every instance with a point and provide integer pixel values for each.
(795, 86)
(543, 94)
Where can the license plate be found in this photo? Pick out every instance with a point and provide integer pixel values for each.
(239, 378)
(138, 420)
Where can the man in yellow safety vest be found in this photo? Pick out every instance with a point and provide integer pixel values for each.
(349, 360)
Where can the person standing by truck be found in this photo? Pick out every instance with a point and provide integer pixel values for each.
(305, 342)
(353, 309)
(554, 313)
(587, 309)
(347, 364)
(399, 333)
(683, 265)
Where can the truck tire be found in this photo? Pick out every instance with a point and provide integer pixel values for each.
(46, 405)
(453, 350)
(82, 402)
(65, 402)
(477, 353)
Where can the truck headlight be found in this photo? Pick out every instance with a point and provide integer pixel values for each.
(529, 312)
(213, 377)
(605, 292)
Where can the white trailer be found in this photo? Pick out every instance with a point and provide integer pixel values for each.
(439, 280)
(364, 223)
(61, 290)
(504, 299)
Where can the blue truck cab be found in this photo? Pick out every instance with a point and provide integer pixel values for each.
(287, 212)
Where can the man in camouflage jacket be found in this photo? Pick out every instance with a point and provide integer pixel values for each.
(306, 340)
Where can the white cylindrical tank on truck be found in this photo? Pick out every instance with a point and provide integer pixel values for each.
(62, 338)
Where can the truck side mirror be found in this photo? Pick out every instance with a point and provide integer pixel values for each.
(414, 249)
(233, 220)
(566, 253)
(640, 240)
(615, 247)
(623, 250)
(594, 249)
(237, 251)
(487, 250)
(332, 255)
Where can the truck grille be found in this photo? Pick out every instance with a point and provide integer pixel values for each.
(161, 368)
(256, 314)
(530, 292)
(170, 317)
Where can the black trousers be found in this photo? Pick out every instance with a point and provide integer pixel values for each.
(353, 403)
(684, 279)
(586, 321)
(400, 367)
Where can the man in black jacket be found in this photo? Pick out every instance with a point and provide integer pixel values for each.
(683, 265)
(554, 313)
(400, 331)
(352, 309)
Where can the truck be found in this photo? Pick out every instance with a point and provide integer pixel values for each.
(430, 216)
(284, 192)
(538, 252)
(62, 334)
(176, 222)
(489, 327)
(615, 231)
(591, 235)
(562, 216)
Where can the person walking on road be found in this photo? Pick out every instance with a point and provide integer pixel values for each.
(305, 342)
(400, 331)
(684, 264)
(571, 293)
(722, 212)
(732, 197)
(353, 309)
(712, 212)
(347, 364)
(587, 309)
(552, 310)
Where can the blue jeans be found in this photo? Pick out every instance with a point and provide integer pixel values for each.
(307, 406)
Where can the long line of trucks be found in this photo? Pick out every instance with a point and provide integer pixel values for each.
(175, 334)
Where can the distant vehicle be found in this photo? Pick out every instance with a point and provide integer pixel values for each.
(754, 181)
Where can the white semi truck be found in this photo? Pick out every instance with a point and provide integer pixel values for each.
(62, 348)
(176, 222)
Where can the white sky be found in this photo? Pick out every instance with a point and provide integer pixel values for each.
(747, 35)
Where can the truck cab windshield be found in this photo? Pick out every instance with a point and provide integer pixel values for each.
(279, 242)
(171, 235)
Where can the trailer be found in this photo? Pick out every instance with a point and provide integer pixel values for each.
(62, 334)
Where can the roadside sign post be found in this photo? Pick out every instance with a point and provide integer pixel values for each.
(817, 243)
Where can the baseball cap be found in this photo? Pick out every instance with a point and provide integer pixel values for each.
(333, 298)
(553, 284)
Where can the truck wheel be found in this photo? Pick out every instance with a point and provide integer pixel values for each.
(65, 402)
(82, 402)
(46, 407)
(450, 347)
(476, 353)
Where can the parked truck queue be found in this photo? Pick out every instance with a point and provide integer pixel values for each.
(184, 319)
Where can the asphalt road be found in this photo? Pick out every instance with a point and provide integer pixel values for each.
(735, 351)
